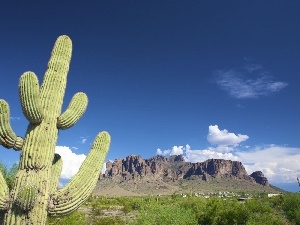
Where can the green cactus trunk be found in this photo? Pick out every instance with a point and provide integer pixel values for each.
(35, 195)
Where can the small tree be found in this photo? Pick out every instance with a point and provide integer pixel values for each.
(9, 174)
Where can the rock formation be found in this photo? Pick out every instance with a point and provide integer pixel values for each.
(259, 177)
(175, 168)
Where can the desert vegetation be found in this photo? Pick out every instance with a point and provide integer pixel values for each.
(211, 208)
(178, 210)
(9, 173)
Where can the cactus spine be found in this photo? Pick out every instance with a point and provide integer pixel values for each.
(35, 195)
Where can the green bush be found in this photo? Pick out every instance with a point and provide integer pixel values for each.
(223, 212)
(107, 221)
(165, 214)
(259, 205)
(9, 174)
(291, 207)
(265, 219)
(75, 218)
(197, 205)
(190, 211)
(127, 208)
(263, 211)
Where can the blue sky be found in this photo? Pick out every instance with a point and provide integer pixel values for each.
(208, 79)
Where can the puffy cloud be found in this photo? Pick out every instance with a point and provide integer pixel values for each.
(223, 137)
(164, 152)
(202, 155)
(176, 150)
(250, 81)
(71, 161)
(278, 163)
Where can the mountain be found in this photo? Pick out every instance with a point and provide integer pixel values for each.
(162, 175)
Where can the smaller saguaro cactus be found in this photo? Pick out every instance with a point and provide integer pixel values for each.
(35, 195)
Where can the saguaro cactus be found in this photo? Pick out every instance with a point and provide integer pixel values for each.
(35, 195)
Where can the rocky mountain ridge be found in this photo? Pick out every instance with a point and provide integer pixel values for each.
(175, 168)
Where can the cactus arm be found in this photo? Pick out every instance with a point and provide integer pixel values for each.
(55, 172)
(8, 138)
(4, 193)
(74, 111)
(29, 94)
(54, 83)
(79, 188)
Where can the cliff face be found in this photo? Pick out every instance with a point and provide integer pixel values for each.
(260, 178)
(218, 168)
(175, 168)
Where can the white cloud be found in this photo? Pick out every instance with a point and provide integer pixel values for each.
(250, 81)
(280, 164)
(83, 140)
(202, 155)
(164, 152)
(176, 150)
(223, 137)
(71, 161)
(15, 118)
(103, 168)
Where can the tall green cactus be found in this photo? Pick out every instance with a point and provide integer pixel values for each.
(35, 195)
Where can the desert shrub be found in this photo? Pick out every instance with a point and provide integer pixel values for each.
(233, 212)
(291, 207)
(9, 176)
(101, 203)
(223, 212)
(105, 203)
(127, 208)
(265, 219)
(196, 205)
(9, 173)
(74, 218)
(133, 203)
(165, 214)
(131, 206)
(259, 205)
(97, 210)
(116, 220)
(263, 211)
(276, 202)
